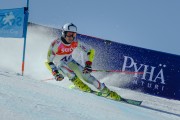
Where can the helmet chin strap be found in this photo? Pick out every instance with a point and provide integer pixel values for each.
(64, 40)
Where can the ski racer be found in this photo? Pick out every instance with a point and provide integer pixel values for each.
(61, 63)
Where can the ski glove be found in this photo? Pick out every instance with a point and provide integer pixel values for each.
(55, 72)
(57, 75)
(88, 68)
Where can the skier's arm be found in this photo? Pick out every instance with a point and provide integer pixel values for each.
(50, 64)
(51, 52)
(89, 51)
(91, 54)
(50, 56)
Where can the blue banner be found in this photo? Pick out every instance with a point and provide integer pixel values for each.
(12, 22)
(160, 72)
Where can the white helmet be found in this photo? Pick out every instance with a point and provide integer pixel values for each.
(68, 27)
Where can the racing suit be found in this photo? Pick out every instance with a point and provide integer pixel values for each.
(61, 55)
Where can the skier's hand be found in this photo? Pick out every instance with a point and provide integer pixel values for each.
(57, 75)
(88, 68)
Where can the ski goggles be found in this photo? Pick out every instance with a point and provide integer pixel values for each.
(71, 34)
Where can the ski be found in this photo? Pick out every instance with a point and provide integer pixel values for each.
(124, 100)
(130, 101)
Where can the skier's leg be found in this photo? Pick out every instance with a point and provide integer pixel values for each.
(66, 71)
(79, 84)
(106, 92)
(78, 69)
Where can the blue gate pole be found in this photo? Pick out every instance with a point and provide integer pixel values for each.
(25, 34)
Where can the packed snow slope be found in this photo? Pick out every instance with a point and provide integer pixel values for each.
(23, 98)
(36, 97)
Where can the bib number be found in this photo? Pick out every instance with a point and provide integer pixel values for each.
(66, 58)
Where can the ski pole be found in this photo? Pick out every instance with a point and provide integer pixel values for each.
(118, 71)
(114, 71)
(44, 80)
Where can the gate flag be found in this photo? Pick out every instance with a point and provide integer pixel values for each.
(13, 22)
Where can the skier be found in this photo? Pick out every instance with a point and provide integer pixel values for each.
(61, 63)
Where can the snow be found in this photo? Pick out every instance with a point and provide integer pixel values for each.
(36, 96)
(23, 98)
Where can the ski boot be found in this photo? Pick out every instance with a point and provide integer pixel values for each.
(110, 94)
(80, 85)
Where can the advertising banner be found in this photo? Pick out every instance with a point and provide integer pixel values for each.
(152, 72)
